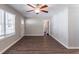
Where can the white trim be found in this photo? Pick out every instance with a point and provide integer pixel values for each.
(60, 42)
(10, 46)
(34, 35)
(64, 44)
(73, 47)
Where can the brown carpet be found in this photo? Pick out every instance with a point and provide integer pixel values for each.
(39, 45)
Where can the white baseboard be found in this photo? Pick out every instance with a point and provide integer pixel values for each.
(34, 35)
(60, 42)
(10, 45)
(73, 47)
(64, 44)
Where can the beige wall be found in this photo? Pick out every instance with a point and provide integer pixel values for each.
(74, 26)
(34, 27)
(22, 26)
(59, 26)
(6, 42)
(64, 26)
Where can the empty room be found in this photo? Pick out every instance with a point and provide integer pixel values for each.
(39, 28)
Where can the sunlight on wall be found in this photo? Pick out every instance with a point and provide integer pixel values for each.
(22, 21)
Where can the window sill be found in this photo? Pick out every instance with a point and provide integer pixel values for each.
(6, 36)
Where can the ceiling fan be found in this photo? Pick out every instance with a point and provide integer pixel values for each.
(38, 8)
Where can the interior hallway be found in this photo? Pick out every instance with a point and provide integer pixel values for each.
(38, 45)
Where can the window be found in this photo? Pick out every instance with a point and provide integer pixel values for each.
(1, 22)
(10, 23)
(7, 23)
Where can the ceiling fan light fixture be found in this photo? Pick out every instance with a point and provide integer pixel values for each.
(37, 10)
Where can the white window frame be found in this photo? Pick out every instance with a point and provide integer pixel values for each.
(5, 34)
(13, 20)
(2, 18)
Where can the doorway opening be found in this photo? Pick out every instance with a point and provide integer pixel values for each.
(46, 27)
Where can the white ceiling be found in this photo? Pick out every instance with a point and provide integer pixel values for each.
(52, 9)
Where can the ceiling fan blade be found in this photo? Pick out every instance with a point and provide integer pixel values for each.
(29, 11)
(30, 5)
(43, 6)
(44, 11)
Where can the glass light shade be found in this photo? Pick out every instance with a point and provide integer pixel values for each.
(37, 10)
